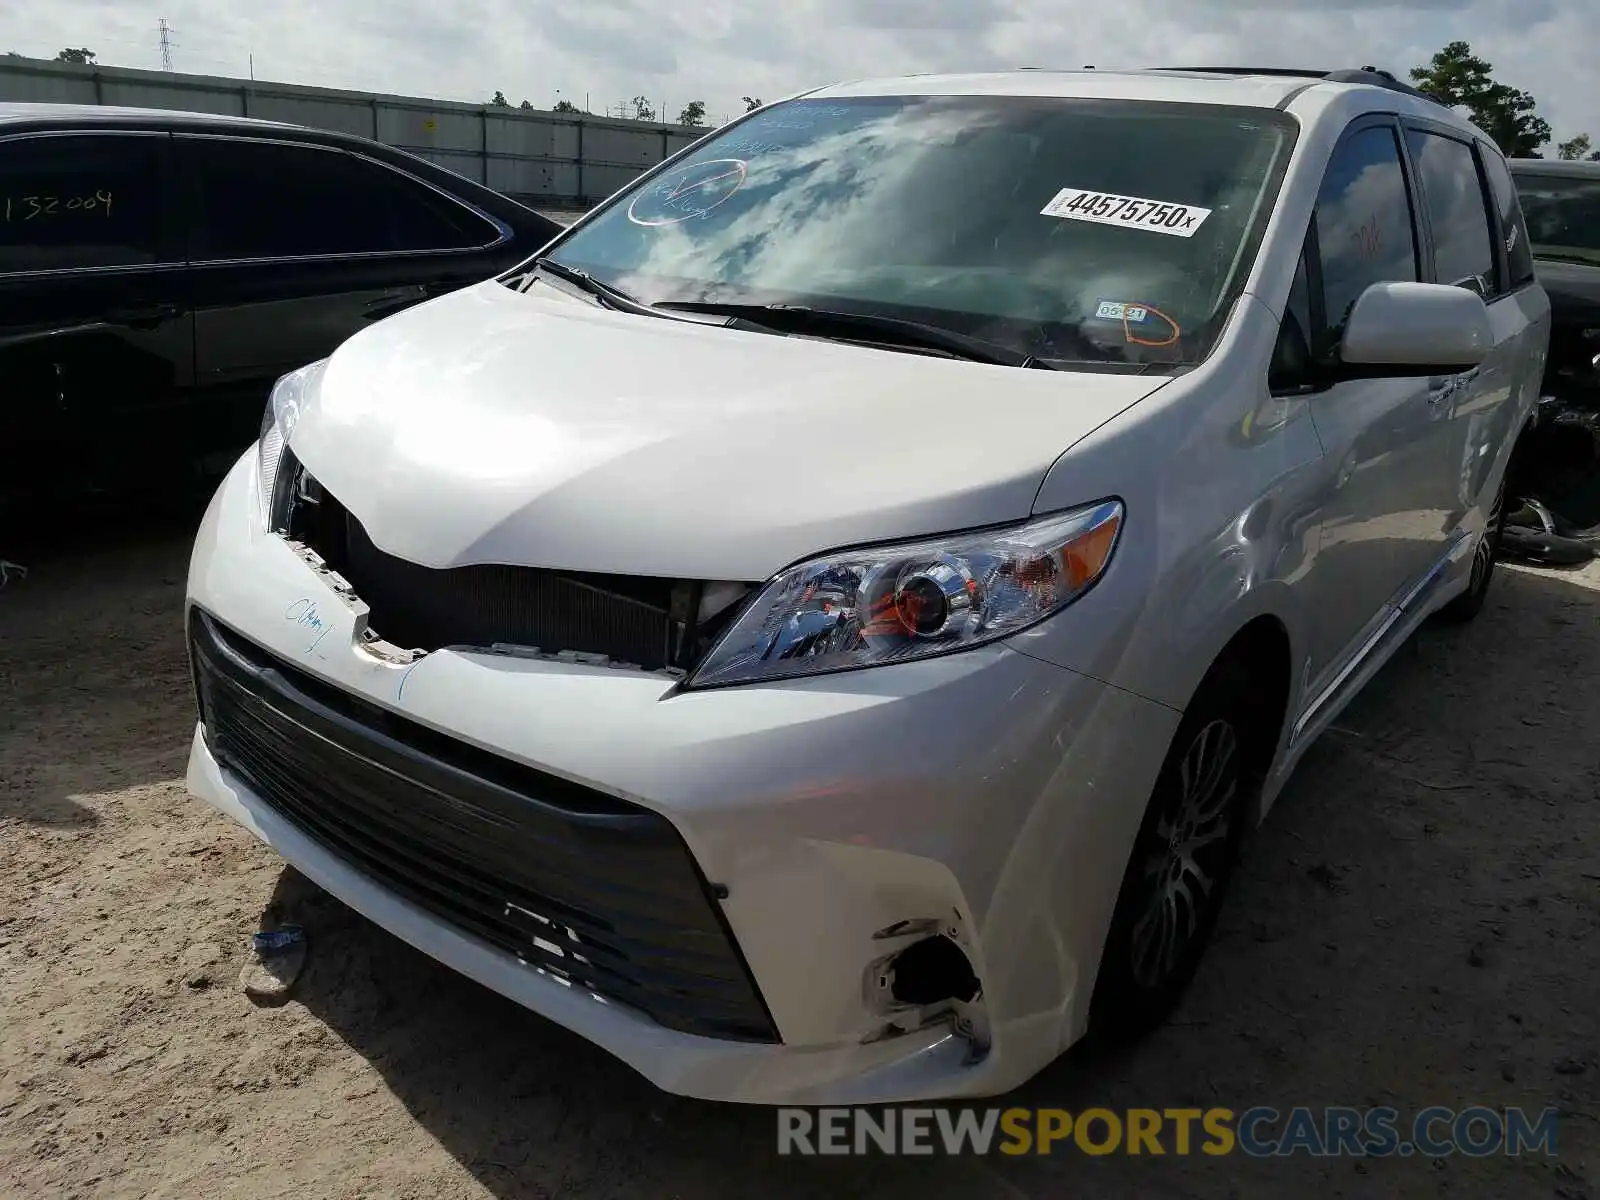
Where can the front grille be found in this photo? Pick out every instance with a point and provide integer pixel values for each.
(427, 607)
(595, 890)
(626, 618)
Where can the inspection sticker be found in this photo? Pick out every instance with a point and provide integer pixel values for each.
(1106, 208)
(1116, 310)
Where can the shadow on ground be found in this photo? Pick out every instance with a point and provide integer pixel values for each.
(1408, 929)
(94, 682)
(60, 812)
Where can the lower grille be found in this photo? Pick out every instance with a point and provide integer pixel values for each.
(595, 890)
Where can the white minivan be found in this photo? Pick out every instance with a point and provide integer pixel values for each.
(821, 629)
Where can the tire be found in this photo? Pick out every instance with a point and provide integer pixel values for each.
(1485, 557)
(1142, 973)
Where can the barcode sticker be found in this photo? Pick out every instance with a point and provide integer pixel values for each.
(1106, 208)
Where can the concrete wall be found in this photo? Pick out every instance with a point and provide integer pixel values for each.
(542, 157)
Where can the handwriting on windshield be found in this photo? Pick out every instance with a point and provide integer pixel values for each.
(1143, 337)
(33, 208)
(751, 147)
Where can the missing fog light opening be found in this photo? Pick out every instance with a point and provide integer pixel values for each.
(932, 971)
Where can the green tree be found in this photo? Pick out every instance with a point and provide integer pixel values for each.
(498, 100)
(694, 113)
(526, 104)
(1577, 148)
(565, 106)
(83, 56)
(643, 110)
(751, 103)
(1461, 79)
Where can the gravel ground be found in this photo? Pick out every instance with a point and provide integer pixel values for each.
(1414, 925)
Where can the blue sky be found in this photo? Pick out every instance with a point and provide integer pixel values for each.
(720, 50)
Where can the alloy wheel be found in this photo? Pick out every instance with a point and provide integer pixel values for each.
(1483, 556)
(1188, 856)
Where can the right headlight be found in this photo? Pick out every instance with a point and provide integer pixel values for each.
(283, 410)
(888, 604)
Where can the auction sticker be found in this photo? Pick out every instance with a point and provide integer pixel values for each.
(1107, 208)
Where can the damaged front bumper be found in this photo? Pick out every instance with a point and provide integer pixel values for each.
(875, 886)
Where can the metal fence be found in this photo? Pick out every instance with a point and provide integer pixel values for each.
(555, 159)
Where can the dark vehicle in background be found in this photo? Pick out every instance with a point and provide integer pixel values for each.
(1555, 478)
(159, 270)
(1561, 202)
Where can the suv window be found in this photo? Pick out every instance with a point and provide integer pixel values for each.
(1563, 214)
(271, 200)
(1365, 233)
(71, 200)
(1513, 225)
(1463, 244)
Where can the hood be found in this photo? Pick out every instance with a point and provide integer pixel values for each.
(491, 426)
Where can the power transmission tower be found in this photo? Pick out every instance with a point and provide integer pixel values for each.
(167, 43)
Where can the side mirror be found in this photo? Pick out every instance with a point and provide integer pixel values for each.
(1416, 329)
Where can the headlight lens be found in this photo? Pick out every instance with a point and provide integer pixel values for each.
(283, 410)
(888, 604)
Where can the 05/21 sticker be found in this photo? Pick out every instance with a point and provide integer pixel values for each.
(1135, 212)
(1116, 310)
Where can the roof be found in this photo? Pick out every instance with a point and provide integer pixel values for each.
(1554, 166)
(1249, 91)
(1367, 76)
(1304, 92)
(102, 114)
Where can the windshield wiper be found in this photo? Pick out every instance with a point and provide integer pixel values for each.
(609, 296)
(614, 297)
(800, 318)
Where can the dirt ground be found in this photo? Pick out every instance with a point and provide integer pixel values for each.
(1416, 924)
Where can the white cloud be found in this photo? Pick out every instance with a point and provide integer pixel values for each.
(720, 50)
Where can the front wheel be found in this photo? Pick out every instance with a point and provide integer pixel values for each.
(1182, 860)
(1485, 557)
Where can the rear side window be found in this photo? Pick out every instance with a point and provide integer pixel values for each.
(1365, 233)
(1513, 225)
(1463, 245)
(70, 200)
(271, 200)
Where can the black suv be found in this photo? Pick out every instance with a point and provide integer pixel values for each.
(158, 270)
(1554, 485)
(1561, 203)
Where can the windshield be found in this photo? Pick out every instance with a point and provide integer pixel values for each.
(1095, 231)
(1563, 215)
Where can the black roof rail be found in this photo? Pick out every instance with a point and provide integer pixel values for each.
(1371, 76)
(1290, 72)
